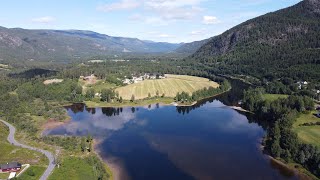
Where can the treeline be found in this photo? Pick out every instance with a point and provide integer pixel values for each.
(291, 87)
(68, 90)
(184, 97)
(281, 114)
(70, 143)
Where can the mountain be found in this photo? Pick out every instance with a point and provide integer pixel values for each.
(190, 48)
(285, 42)
(61, 45)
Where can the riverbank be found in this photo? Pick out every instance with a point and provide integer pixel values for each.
(136, 103)
(166, 101)
(238, 108)
(299, 171)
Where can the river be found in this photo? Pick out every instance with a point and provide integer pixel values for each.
(206, 141)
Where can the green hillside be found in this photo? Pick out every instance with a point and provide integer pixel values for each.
(282, 43)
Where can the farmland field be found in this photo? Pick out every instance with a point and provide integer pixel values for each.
(308, 134)
(169, 86)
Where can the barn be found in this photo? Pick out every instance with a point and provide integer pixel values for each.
(10, 167)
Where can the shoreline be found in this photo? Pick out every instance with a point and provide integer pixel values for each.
(117, 172)
(141, 103)
(301, 175)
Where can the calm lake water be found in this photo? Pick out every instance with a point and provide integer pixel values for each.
(207, 141)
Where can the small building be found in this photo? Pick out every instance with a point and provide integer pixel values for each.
(10, 167)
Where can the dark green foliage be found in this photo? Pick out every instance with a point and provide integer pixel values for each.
(98, 167)
(132, 98)
(275, 142)
(32, 73)
(114, 80)
(70, 143)
(67, 90)
(90, 93)
(107, 95)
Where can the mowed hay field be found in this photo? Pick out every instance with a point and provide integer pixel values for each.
(169, 86)
(308, 134)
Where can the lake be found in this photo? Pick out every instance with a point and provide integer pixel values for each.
(206, 141)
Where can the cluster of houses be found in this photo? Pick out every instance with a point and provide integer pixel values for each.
(10, 167)
(139, 78)
(302, 84)
(89, 79)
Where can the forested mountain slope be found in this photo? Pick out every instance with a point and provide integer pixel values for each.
(56, 45)
(285, 42)
(192, 47)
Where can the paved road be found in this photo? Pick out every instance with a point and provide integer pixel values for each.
(46, 153)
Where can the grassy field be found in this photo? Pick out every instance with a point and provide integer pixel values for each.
(145, 102)
(32, 173)
(74, 168)
(273, 97)
(169, 86)
(98, 86)
(11, 153)
(308, 134)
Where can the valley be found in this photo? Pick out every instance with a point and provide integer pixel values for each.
(241, 104)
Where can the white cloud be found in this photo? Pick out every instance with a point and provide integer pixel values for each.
(122, 5)
(45, 19)
(210, 20)
(199, 32)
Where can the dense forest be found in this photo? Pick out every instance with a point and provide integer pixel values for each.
(281, 141)
(285, 43)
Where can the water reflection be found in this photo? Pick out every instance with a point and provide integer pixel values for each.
(204, 141)
(98, 122)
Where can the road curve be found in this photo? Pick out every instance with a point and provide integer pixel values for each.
(46, 153)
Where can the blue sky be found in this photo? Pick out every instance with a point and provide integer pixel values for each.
(157, 20)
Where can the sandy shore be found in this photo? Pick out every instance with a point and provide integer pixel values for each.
(239, 109)
(113, 163)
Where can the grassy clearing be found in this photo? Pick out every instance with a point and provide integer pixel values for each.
(74, 168)
(308, 134)
(273, 97)
(169, 86)
(4, 175)
(32, 173)
(98, 86)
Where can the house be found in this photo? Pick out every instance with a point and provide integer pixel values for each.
(89, 78)
(126, 81)
(10, 167)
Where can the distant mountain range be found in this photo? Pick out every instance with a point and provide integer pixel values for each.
(192, 47)
(60, 45)
(283, 42)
